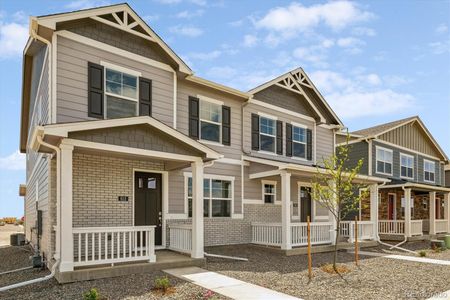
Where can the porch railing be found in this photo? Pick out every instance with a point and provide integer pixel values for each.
(180, 237)
(109, 245)
(416, 227)
(270, 234)
(440, 225)
(394, 227)
(366, 230)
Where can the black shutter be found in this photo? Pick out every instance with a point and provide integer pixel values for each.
(308, 144)
(145, 97)
(226, 121)
(288, 139)
(193, 117)
(95, 91)
(255, 132)
(280, 137)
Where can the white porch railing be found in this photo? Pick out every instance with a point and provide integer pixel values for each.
(270, 233)
(109, 245)
(394, 227)
(416, 227)
(180, 237)
(440, 225)
(366, 230)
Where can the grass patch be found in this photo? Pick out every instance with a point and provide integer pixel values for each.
(422, 253)
(341, 269)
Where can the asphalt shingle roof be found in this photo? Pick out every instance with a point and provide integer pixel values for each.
(382, 127)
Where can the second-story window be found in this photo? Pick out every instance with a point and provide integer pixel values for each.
(299, 142)
(121, 94)
(406, 166)
(267, 134)
(428, 170)
(384, 161)
(210, 121)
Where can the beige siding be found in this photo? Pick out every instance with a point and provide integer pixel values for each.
(411, 137)
(72, 72)
(186, 89)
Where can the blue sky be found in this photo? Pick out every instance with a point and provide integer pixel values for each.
(374, 61)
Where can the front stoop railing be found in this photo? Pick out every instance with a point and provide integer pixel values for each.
(180, 238)
(366, 230)
(109, 245)
(441, 225)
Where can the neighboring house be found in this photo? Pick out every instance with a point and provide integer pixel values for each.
(405, 152)
(127, 150)
(447, 175)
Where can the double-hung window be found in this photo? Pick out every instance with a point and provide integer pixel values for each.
(269, 191)
(267, 134)
(121, 93)
(210, 121)
(299, 142)
(428, 170)
(406, 166)
(217, 197)
(384, 161)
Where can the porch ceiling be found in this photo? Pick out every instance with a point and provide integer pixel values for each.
(418, 187)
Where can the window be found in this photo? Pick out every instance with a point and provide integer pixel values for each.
(299, 142)
(406, 166)
(428, 170)
(269, 191)
(121, 94)
(210, 121)
(384, 161)
(267, 134)
(217, 196)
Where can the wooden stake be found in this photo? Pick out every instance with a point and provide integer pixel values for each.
(309, 248)
(356, 240)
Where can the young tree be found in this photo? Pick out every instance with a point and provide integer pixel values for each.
(334, 188)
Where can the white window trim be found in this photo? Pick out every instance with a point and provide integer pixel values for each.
(272, 182)
(117, 68)
(274, 136)
(303, 143)
(376, 160)
(187, 175)
(216, 102)
(413, 163)
(434, 170)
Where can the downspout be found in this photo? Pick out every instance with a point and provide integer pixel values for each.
(24, 283)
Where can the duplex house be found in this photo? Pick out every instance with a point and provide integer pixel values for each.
(406, 153)
(129, 152)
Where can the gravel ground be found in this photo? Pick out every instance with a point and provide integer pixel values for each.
(133, 287)
(375, 278)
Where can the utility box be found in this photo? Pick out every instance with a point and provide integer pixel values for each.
(447, 241)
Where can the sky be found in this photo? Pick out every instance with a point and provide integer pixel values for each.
(374, 61)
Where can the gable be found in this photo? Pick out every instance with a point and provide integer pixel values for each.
(411, 136)
(136, 136)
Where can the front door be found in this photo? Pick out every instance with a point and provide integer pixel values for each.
(305, 203)
(391, 207)
(148, 202)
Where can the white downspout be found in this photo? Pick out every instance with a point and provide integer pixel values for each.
(20, 284)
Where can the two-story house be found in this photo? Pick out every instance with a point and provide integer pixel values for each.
(406, 153)
(128, 151)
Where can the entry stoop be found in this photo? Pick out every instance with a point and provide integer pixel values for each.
(165, 259)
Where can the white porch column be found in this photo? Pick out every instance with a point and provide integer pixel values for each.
(66, 239)
(197, 210)
(286, 243)
(374, 208)
(432, 213)
(447, 210)
(407, 196)
(331, 217)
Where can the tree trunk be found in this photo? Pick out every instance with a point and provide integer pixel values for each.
(338, 225)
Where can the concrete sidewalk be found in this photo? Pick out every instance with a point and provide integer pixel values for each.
(405, 257)
(227, 286)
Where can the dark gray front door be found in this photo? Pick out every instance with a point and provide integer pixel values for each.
(148, 202)
(305, 203)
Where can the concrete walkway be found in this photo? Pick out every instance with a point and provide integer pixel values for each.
(227, 286)
(441, 296)
(405, 257)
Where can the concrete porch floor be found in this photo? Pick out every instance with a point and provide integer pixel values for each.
(165, 259)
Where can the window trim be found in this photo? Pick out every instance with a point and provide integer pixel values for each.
(274, 136)
(376, 160)
(303, 143)
(127, 71)
(200, 120)
(413, 164)
(188, 175)
(263, 193)
(434, 170)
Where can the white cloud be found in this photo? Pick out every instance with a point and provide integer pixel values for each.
(190, 31)
(13, 162)
(353, 45)
(290, 20)
(84, 4)
(373, 79)
(396, 80)
(442, 28)
(186, 14)
(364, 31)
(222, 72)
(205, 55)
(440, 47)
(170, 2)
(13, 37)
(250, 40)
